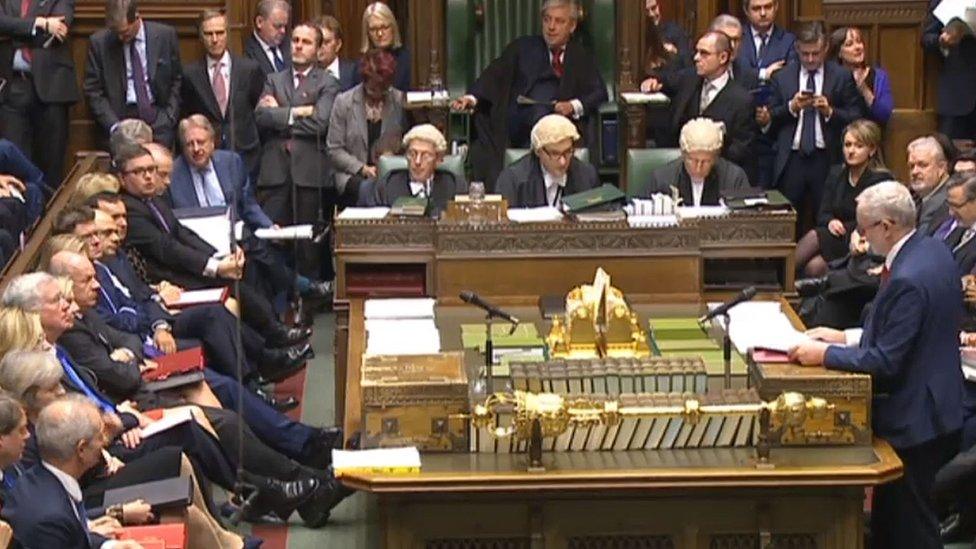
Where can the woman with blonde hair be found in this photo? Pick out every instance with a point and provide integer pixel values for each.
(380, 30)
(57, 243)
(863, 167)
(21, 331)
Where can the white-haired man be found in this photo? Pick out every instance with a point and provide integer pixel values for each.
(425, 147)
(910, 347)
(700, 176)
(929, 172)
(550, 171)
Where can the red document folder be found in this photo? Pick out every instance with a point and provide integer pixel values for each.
(178, 363)
(158, 536)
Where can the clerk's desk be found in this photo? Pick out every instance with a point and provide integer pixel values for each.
(812, 497)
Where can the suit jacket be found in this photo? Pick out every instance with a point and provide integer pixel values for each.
(725, 176)
(933, 210)
(672, 33)
(105, 78)
(524, 69)
(731, 106)
(348, 74)
(129, 313)
(963, 252)
(841, 92)
(53, 67)
(910, 347)
(523, 185)
(90, 342)
(296, 153)
(42, 514)
(235, 182)
(176, 254)
(396, 184)
(255, 52)
(236, 129)
(957, 78)
(348, 137)
(779, 47)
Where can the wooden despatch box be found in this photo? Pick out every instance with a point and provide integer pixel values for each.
(409, 400)
(850, 422)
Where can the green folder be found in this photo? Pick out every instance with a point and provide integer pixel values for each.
(774, 200)
(606, 196)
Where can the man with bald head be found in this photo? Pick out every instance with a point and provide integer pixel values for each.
(929, 172)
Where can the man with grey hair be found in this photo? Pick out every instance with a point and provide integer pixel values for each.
(551, 171)
(961, 201)
(929, 171)
(700, 176)
(910, 347)
(127, 132)
(556, 73)
(121, 83)
(425, 146)
(265, 45)
(46, 508)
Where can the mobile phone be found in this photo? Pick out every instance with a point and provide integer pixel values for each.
(806, 92)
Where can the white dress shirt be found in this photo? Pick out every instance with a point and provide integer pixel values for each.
(422, 189)
(333, 68)
(697, 188)
(130, 89)
(554, 187)
(224, 69)
(818, 79)
(853, 335)
(757, 41)
(711, 88)
(268, 49)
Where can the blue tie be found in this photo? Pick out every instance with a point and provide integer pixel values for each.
(808, 135)
(10, 477)
(69, 370)
(82, 515)
(279, 63)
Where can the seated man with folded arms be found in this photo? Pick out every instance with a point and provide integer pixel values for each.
(700, 176)
(425, 146)
(551, 171)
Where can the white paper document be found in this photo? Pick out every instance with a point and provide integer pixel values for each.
(170, 419)
(214, 229)
(542, 214)
(293, 232)
(947, 10)
(412, 336)
(394, 308)
(695, 212)
(641, 97)
(393, 460)
(763, 325)
(647, 221)
(198, 297)
(378, 212)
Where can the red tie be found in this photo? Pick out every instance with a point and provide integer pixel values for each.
(25, 51)
(885, 274)
(557, 61)
(220, 87)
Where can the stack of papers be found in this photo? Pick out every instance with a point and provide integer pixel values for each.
(963, 10)
(214, 229)
(762, 325)
(293, 232)
(391, 461)
(543, 214)
(378, 212)
(695, 212)
(657, 204)
(401, 327)
(645, 221)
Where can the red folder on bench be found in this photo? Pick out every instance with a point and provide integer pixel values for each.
(171, 535)
(178, 363)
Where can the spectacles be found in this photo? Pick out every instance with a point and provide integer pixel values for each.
(145, 170)
(423, 156)
(379, 28)
(565, 155)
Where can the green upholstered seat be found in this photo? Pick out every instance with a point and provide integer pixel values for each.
(514, 155)
(451, 163)
(640, 164)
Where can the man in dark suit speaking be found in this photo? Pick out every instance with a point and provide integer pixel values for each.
(134, 71)
(910, 347)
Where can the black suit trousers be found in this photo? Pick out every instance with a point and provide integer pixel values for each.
(40, 130)
(216, 328)
(802, 182)
(290, 204)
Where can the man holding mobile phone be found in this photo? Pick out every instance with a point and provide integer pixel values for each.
(811, 104)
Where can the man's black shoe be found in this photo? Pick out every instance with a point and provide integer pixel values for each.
(281, 404)
(277, 496)
(319, 290)
(283, 336)
(316, 510)
(318, 450)
(810, 287)
(279, 364)
(954, 529)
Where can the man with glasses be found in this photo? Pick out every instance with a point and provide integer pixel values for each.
(425, 146)
(961, 201)
(700, 176)
(267, 44)
(929, 171)
(910, 347)
(551, 171)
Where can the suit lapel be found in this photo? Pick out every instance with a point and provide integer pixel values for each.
(684, 188)
(359, 117)
(288, 82)
(749, 46)
(152, 53)
(203, 82)
(221, 170)
(115, 59)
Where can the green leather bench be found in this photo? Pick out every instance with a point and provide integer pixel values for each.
(640, 164)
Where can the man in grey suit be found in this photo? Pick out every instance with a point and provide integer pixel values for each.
(929, 171)
(134, 71)
(293, 115)
(700, 176)
(41, 82)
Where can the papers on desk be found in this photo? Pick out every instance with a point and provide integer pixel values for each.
(189, 298)
(390, 461)
(170, 419)
(638, 98)
(542, 214)
(427, 96)
(378, 212)
(401, 327)
(292, 232)
(652, 221)
(399, 308)
(963, 10)
(761, 325)
(210, 224)
(698, 212)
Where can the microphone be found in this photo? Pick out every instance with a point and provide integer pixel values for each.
(474, 299)
(744, 295)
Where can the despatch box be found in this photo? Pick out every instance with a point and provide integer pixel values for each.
(414, 400)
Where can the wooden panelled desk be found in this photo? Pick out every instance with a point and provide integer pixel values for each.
(812, 497)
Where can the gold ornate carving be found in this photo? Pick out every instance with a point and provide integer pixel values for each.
(594, 238)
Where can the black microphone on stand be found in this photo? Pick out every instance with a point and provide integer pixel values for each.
(474, 299)
(744, 295)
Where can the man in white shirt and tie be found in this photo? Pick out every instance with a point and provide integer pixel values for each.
(346, 71)
(225, 88)
(267, 45)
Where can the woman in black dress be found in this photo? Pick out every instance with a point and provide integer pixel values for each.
(863, 166)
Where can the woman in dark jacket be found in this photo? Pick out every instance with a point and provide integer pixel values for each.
(380, 30)
(863, 166)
